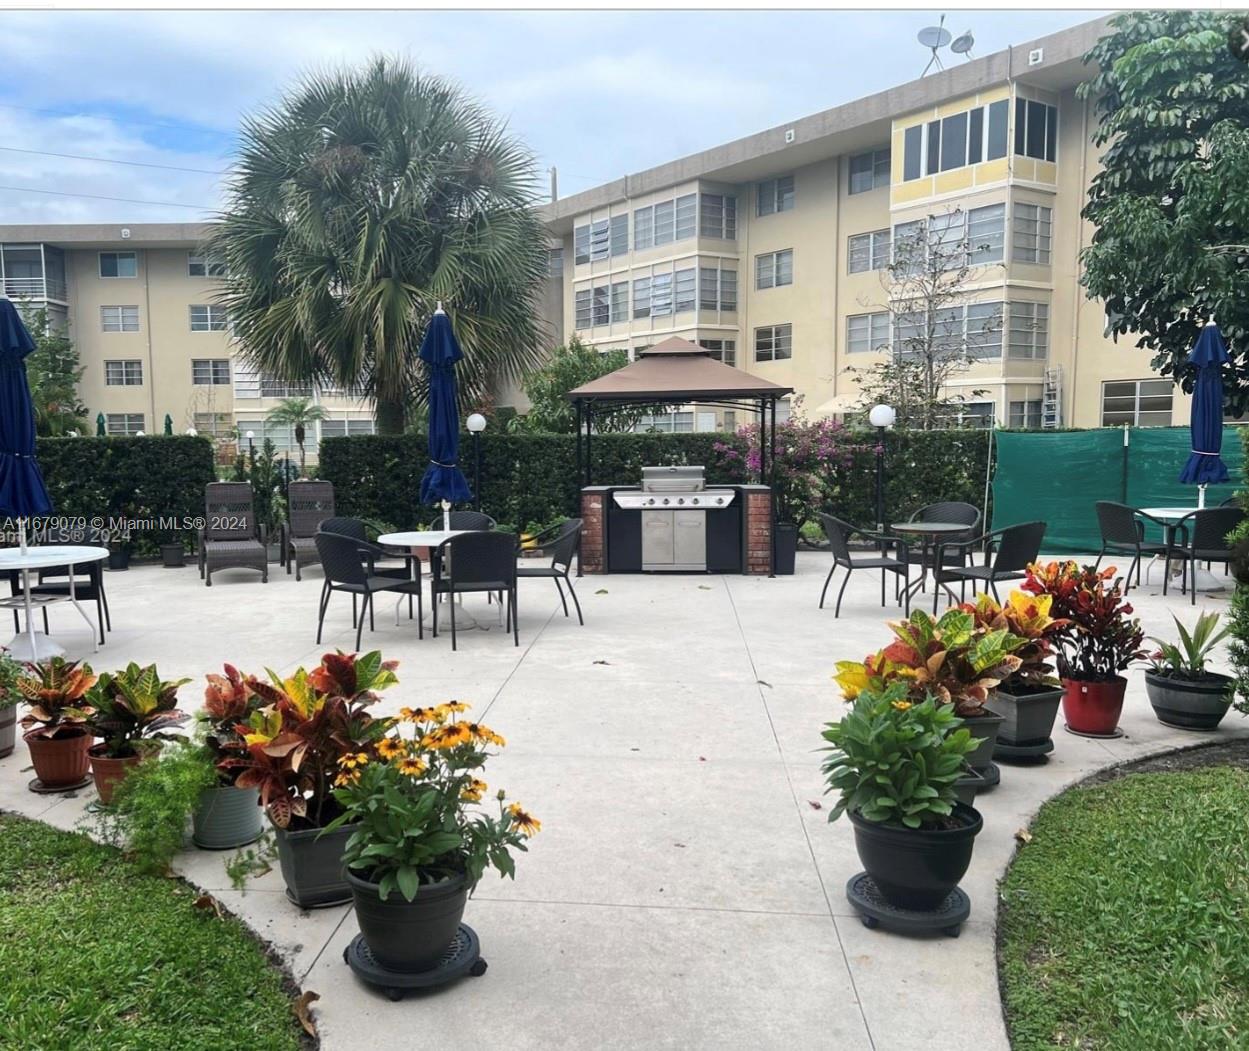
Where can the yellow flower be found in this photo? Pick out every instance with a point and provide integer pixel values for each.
(473, 791)
(350, 761)
(484, 733)
(456, 706)
(347, 778)
(901, 706)
(527, 823)
(407, 715)
(447, 736)
(410, 766)
(389, 747)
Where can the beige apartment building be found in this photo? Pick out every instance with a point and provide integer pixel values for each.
(138, 303)
(771, 250)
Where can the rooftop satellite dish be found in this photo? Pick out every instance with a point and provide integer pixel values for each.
(963, 44)
(934, 37)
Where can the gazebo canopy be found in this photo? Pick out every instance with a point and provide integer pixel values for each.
(677, 370)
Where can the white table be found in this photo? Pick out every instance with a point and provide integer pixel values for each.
(431, 538)
(1205, 580)
(34, 645)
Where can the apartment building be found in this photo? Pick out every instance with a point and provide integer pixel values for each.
(771, 250)
(138, 303)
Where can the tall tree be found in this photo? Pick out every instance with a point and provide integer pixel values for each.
(359, 202)
(53, 372)
(297, 413)
(1170, 205)
(567, 368)
(937, 333)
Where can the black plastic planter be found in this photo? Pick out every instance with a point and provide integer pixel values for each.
(1028, 716)
(917, 868)
(119, 558)
(226, 818)
(409, 936)
(985, 727)
(1189, 704)
(172, 556)
(312, 865)
(784, 548)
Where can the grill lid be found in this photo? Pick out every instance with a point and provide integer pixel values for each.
(677, 479)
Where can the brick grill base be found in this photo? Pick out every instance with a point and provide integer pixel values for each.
(593, 533)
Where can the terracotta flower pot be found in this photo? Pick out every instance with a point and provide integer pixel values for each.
(1093, 707)
(108, 773)
(60, 762)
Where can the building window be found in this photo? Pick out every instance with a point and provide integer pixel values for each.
(597, 240)
(717, 289)
(1036, 130)
(214, 425)
(123, 373)
(602, 304)
(867, 332)
(666, 422)
(204, 266)
(210, 372)
(270, 387)
(955, 141)
(119, 319)
(986, 234)
(724, 350)
(661, 295)
(974, 330)
(207, 318)
(975, 237)
(119, 264)
(1139, 403)
(1024, 415)
(347, 428)
(1029, 330)
(555, 262)
(719, 216)
(983, 332)
(664, 223)
(774, 269)
(1031, 234)
(775, 195)
(123, 423)
(774, 343)
(869, 251)
(979, 415)
(685, 290)
(869, 170)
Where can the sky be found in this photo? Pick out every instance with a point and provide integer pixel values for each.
(596, 94)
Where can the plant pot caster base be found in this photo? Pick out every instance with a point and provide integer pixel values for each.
(35, 784)
(1024, 753)
(947, 918)
(992, 775)
(463, 956)
(1114, 734)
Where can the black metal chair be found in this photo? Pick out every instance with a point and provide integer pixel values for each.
(87, 580)
(308, 504)
(464, 520)
(1009, 553)
(1205, 540)
(347, 569)
(561, 550)
(476, 562)
(954, 511)
(1123, 530)
(839, 534)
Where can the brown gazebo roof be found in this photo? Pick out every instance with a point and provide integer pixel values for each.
(677, 370)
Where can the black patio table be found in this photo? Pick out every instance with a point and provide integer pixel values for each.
(928, 534)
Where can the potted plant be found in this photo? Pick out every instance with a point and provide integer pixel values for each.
(172, 556)
(1027, 699)
(954, 659)
(421, 840)
(1099, 641)
(226, 816)
(10, 698)
(119, 555)
(1183, 693)
(895, 763)
(56, 728)
(291, 749)
(133, 711)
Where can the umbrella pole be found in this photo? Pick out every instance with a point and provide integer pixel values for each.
(1201, 497)
(446, 514)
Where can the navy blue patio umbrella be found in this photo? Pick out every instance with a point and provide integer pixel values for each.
(1205, 466)
(443, 480)
(22, 492)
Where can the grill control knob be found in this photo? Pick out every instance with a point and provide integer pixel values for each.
(719, 499)
(680, 500)
(665, 499)
(694, 500)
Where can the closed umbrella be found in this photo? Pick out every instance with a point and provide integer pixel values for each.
(443, 480)
(99, 425)
(168, 424)
(22, 491)
(1205, 465)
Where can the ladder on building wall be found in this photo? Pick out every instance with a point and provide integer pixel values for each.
(1052, 398)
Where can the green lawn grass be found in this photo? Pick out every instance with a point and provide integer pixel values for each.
(93, 954)
(1125, 922)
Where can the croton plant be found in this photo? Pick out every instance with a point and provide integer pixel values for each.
(291, 746)
(954, 659)
(133, 709)
(1027, 617)
(56, 691)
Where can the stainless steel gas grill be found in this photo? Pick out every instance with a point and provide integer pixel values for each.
(674, 502)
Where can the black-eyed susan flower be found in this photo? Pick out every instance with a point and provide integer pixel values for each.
(485, 734)
(411, 766)
(527, 823)
(450, 736)
(456, 706)
(901, 706)
(473, 791)
(389, 747)
(347, 777)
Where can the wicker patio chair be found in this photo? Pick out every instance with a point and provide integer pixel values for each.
(1008, 554)
(228, 539)
(1204, 539)
(308, 505)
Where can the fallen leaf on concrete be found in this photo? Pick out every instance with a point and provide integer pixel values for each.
(303, 1011)
(601, 591)
(761, 682)
(1024, 836)
(678, 844)
(208, 903)
(702, 758)
(703, 587)
(602, 662)
(815, 804)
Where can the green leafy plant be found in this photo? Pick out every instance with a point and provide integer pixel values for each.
(1027, 617)
(10, 673)
(53, 372)
(954, 659)
(1188, 659)
(57, 693)
(567, 368)
(251, 861)
(416, 802)
(134, 708)
(895, 761)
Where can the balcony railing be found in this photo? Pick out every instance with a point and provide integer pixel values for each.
(34, 288)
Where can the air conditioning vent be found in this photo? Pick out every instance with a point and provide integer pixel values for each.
(789, 135)
(1036, 56)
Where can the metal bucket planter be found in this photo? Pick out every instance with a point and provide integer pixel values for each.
(1189, 704)
(312, 865)
(409, 936)
(1027, 717)
(226, 817)
(8, 730)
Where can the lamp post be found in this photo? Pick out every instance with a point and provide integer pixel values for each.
(881, 417)
(476, 423)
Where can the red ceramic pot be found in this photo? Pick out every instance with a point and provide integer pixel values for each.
(1093, 707)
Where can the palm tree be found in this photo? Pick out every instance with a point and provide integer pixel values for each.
(297, 413)
(358, 203)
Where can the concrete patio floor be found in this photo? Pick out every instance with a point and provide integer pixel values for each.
(686, 889)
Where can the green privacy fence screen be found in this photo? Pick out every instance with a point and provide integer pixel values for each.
(1057, 476)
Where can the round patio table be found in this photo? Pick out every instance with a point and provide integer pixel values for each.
(929, 535)
(32, 645)
(432, 539)
(1205, 580)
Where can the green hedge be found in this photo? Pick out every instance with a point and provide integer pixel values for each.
(532, 478)
(160, 477)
